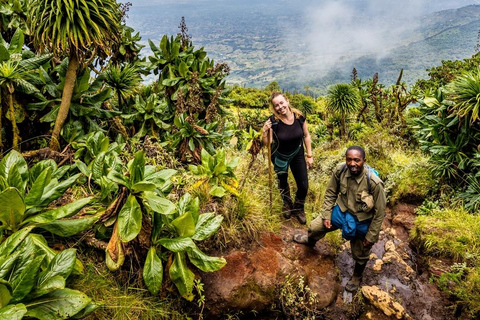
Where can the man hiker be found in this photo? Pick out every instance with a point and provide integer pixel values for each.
(355, 203)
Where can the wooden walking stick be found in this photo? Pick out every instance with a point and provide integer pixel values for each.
(270, 178)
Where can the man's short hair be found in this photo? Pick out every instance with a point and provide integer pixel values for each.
(357, 148)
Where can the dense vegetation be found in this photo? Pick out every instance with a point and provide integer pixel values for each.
(150, 177)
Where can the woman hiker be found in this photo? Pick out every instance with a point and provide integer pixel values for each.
(290, 139)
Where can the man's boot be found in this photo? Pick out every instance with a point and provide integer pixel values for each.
(304, 239)
(354, 283)
(299, 211)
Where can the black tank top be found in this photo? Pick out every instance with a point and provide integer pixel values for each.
(289, 137)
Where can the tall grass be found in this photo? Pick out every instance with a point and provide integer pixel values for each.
(454, 233)
(120, 295)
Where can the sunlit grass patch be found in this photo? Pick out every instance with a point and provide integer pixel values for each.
(454, 233)
(411, 180)
(121, 301)
(449, 232)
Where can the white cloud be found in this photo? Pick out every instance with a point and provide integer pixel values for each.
(334, 30)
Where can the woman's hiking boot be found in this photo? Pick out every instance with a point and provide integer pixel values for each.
(354, 283)
(287, 210)
(299, 212)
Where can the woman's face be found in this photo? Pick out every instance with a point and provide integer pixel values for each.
(280, 105)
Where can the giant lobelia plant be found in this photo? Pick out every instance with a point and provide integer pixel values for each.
(174, 227)
(175, 234)
(217, 172)
(142, 192)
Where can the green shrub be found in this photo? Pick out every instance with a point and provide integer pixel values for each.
(453, 233)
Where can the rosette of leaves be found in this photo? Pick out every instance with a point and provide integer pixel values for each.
(151, 115)
(191, 138)
(33, 280)
(175, 234)
(144, 189)
(88, 98)
(100, 156)
(26, 193)
(17, 75)
(450, 140)
(217, 172)
(253, 141)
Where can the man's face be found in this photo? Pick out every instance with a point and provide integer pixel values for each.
(355, 162)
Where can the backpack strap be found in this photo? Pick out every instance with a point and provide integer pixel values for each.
(369, 173)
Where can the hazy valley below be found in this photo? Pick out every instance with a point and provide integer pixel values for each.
(316, 43)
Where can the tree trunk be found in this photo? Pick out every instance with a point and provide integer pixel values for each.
(14, 122)
(343, 129)
(1, 137)
(67, 93)
(361, 114)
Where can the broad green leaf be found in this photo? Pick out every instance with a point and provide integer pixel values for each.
(159, 204)
(181, 276)
(35, 194)
(143, 186)
(12, 242)
(119, 178)
(207, 225)
(183, 203)
(194, 208)
(5, 295)
(7, 264)
(41, 247)
(3, 183)
(69, 227)
(177, 244)
(205, 262)
(65, 211)
(183, 69)
(136, 167)
(153, 272)
(52, 284)
(23, 283)
(62, 265)
(12, 208)
(129, 219)
(232, 164)
(59, 304)
(14, 180)
(86, 311)
(431, 102)
(184, 225)
(55, 190)
(14, 159)
(82, 167)
(13, 312)
(191, 145)
(41, 166)
(164, 175)
(97, 166)
(17, 41)
(4, 54)
(217, 191)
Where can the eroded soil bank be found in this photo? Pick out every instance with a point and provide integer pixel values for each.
(395, 285)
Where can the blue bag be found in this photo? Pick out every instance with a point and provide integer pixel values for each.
(351, 227)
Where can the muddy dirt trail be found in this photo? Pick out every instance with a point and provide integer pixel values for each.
(395, 284)
(394, 269)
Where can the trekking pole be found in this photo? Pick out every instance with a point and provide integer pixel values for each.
(270, 178)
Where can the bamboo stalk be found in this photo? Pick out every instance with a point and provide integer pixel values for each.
(270, 178)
